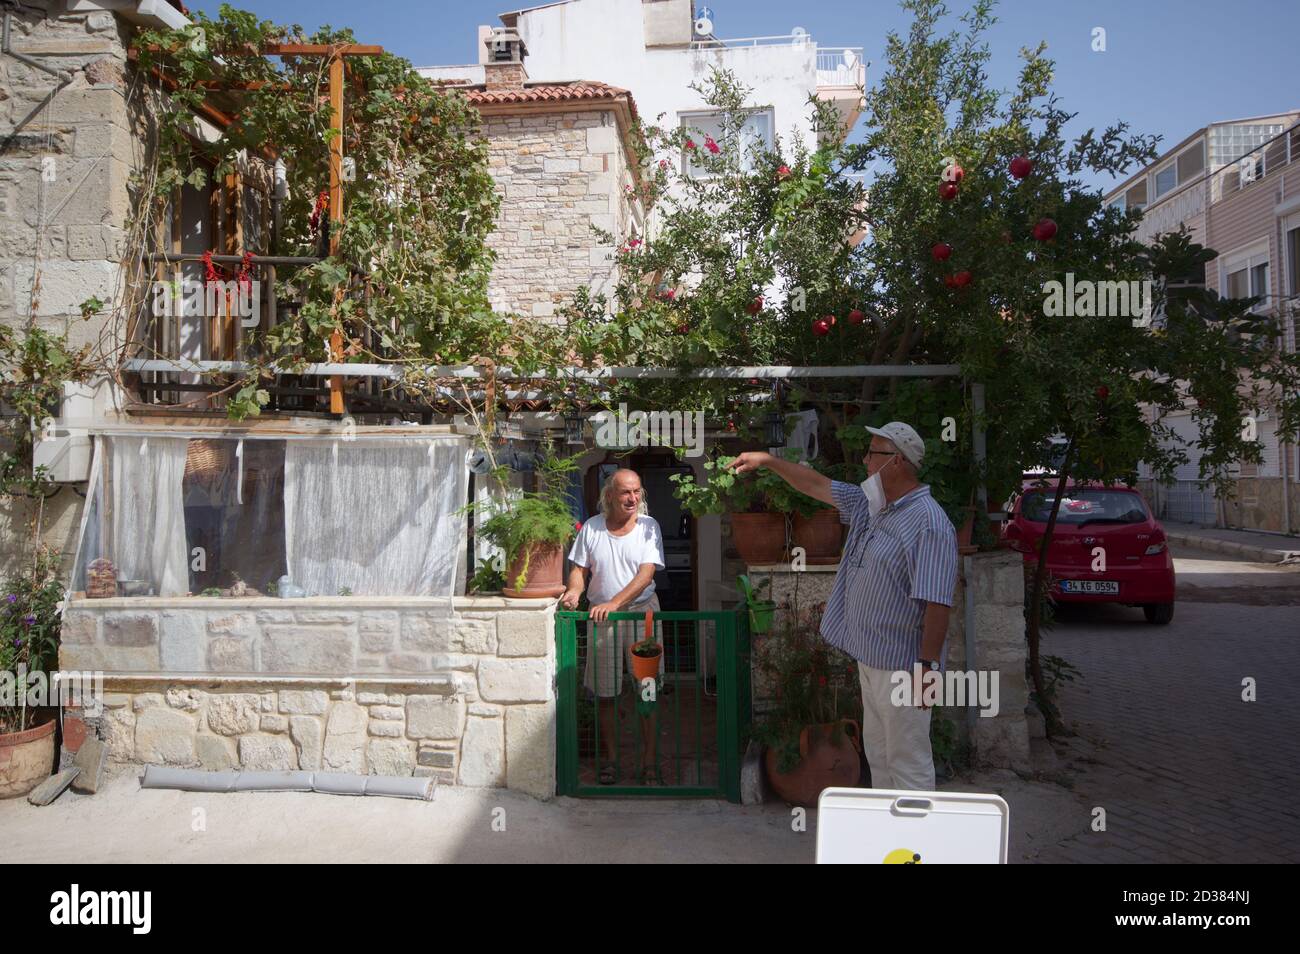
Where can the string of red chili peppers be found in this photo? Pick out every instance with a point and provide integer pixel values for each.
(214, 273)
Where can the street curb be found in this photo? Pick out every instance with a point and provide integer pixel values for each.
(1256, 554)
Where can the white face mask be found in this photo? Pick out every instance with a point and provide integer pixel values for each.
(875, 492)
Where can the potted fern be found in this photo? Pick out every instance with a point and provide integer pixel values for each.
(532, 531)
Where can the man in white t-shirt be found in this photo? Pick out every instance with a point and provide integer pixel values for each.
(615, 557)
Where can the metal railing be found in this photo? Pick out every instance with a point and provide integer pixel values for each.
(1256, 165)
(840, 66)
(671, 736)
(836, 65)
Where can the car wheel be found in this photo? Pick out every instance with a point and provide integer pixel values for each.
(1159, 613)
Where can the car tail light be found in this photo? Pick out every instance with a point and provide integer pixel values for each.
(1155, 548)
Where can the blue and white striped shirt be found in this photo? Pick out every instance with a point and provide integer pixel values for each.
(891, 568)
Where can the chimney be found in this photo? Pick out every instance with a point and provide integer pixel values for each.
(504, 68)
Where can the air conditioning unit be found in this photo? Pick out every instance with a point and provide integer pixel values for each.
(62, 445)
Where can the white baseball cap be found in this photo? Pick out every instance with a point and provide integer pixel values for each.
(905, 438)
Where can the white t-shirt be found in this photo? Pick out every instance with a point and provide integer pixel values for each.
(614, 561)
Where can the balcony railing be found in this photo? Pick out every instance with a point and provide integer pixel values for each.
(840, 66)
(1261, 162)
(836, 65)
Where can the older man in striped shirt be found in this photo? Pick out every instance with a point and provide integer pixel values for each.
(893, 592)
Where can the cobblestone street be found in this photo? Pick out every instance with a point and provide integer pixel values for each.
(1184, 768)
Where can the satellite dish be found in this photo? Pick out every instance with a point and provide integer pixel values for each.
(800, 35)
(850, 58)
(479, 462)
(703, 27)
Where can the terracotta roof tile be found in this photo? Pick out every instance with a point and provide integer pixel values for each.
(548, 92)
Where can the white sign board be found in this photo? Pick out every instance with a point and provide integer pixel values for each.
(874, 826)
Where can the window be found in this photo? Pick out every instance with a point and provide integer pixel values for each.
(1166, 179)
(1136, 197)
(1293, 260)
(1082, 506)
(363, 516)
(1244, 274)
(755, 138)
(1117, 204)
(1189, 164)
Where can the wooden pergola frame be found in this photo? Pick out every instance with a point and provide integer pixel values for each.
(337, 54)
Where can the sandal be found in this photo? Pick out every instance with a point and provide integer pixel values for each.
(608, 773)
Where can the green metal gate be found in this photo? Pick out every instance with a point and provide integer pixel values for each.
(679, 735)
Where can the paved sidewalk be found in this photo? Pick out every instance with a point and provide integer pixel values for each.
(1257, 545)
(124, 823)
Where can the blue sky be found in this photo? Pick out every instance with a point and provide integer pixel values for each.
(1170, 66)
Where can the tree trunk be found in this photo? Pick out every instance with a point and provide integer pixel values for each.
(1036, 593)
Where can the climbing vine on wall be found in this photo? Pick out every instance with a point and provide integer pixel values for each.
(412, 257)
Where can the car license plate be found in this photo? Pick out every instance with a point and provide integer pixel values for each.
(1090, 586)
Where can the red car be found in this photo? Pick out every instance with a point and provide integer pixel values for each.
(1106, 546)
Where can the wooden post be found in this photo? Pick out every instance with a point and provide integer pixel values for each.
(336, 214)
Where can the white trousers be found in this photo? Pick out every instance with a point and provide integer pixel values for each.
(896, 738)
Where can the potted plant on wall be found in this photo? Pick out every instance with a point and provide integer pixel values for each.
(757, 529)
(815, 527)
(532, 530)
(29, 638)
(813, 733)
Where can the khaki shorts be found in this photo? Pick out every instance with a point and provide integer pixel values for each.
(608, 648)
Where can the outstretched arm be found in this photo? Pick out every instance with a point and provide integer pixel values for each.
(803, 479)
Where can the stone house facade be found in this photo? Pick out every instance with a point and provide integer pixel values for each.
(563, 158)
(380, 685)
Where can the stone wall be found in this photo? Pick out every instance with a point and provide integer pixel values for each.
(64, 175)
(997, 585)
(389, 687)
(558, 174)
(64, 202)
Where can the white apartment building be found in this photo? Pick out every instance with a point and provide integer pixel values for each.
(656, 49)
(1236, 186)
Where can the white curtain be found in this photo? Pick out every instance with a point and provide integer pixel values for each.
(377, 517)
(148, 512)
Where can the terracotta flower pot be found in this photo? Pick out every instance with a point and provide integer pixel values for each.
(821, 536)
(646, 667)
(26, 758)
(545, 572)
(759, 537)
(824, 762)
